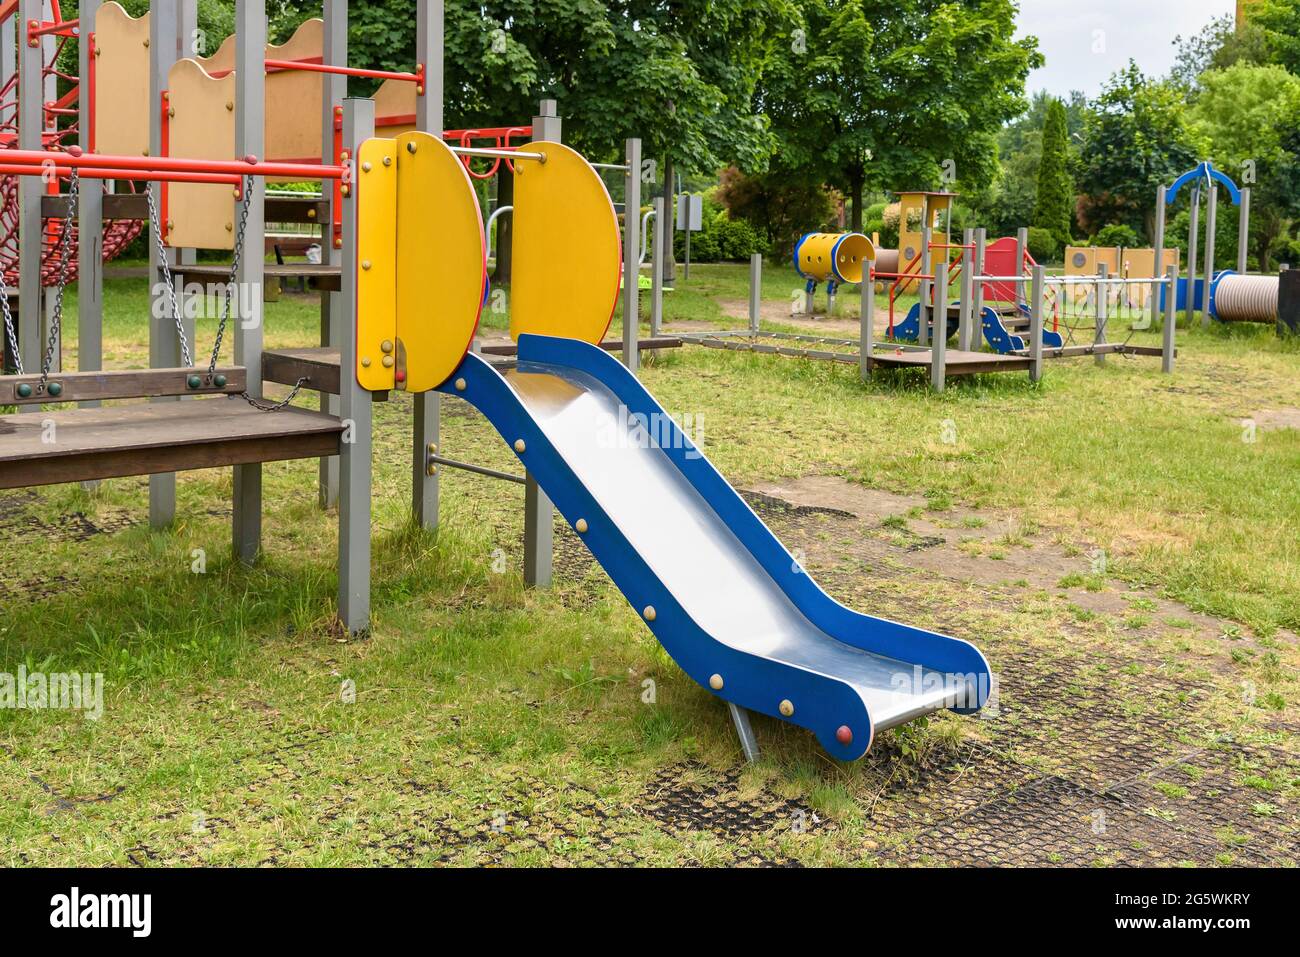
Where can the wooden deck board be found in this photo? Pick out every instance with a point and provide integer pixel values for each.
(326, 277)
(84, 444)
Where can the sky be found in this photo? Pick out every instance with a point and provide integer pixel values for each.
(1085, 41)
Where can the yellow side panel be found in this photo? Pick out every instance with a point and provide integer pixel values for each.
(567, 257)
(200, 215)
(375, 193)
(122, 102)
(441, 261)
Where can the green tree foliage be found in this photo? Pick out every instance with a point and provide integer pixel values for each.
(1219, 45)
(894, 94)
(1136, 138)
(1249, 115)
(1055, 189)
(1279, 20)
(780, 207)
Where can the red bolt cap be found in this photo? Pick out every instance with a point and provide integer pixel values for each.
(250, 158)
(400, 376)
(844, 735)
(74, 151)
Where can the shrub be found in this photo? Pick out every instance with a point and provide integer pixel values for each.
(1116, 234)
(1043, 246)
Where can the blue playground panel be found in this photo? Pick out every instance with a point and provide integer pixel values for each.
(999, 338)
(909, 330)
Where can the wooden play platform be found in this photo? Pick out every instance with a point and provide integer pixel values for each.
(90, 444)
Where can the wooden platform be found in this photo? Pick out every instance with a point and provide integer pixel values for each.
(77, 445)
(322, 276)
(957, 362)
(320, 364)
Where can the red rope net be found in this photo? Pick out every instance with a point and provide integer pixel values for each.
(60, 130)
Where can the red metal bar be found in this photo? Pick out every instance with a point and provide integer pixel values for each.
(91, 172)
(336, 227)
(165, 140)
(416, 77)
(488, 132)
(175, 164)
(218, 74)
(66, 28)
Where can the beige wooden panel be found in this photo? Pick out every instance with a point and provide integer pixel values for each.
(122, 102)
(202, 126)
(394, 98)
(293, 97)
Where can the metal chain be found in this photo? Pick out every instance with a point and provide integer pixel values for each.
(11, 334)
(235, 258)
(187, 359)
(261, 406)
(65, 252)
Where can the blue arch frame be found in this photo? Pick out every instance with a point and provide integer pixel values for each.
(1205, 170)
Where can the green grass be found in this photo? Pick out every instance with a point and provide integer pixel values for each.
(474, 684)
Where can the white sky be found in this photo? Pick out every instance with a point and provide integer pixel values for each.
(1085, 41)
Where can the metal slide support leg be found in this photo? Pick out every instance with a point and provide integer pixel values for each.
(1101, 305)
(355, 405)
(1193, 247)
(977, 289)
(631, 256)
(426, 428)
(1211, 226)
(1171, 324)
(748, 743)
(1159, 244)
(925, 314)
(164, 349)
(967, 311)
(1036, 326)
(539, 532)
(656, 269)
(250, 140)
(1243, 231)
(1022, 249)
(334, 89)
(867, 319)
(755, 292)
(539, 528)
(939, 349)
(90, 212)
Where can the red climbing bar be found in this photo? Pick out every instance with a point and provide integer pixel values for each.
(152, 165)
(67, 28)
(416, 77)
(18, 169)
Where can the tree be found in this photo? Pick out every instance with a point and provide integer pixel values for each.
(1136, 138)
(1280, 22)
(782, 208)
(1220, 44)
(1248, 114)
(894, 95)
(1055, 190)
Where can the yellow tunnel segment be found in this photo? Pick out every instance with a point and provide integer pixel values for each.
(839, 257)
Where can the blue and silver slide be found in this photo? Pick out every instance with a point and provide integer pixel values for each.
(714, 585)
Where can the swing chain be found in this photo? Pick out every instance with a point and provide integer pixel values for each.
(187, 360)
(10, 333)
(228, 294)
(65, 249)
(261, 406)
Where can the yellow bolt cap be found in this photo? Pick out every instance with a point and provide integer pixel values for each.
(786, 707)
(649, 613)
(715, 682)
(580, 525)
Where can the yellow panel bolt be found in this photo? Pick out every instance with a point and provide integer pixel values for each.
(311, 214)
(580, 525)
(365, 264)
(460, 385)
(365, 362)
(786, 707)
(230, 106)
(715, 682)
(388, 362)
(386, 345)
(410, 146)
(230, 227)
(432, 469)
(365, 167)
(388, 161)
(433, 447)
(346, 190)
(519, 446)
(649, 613)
